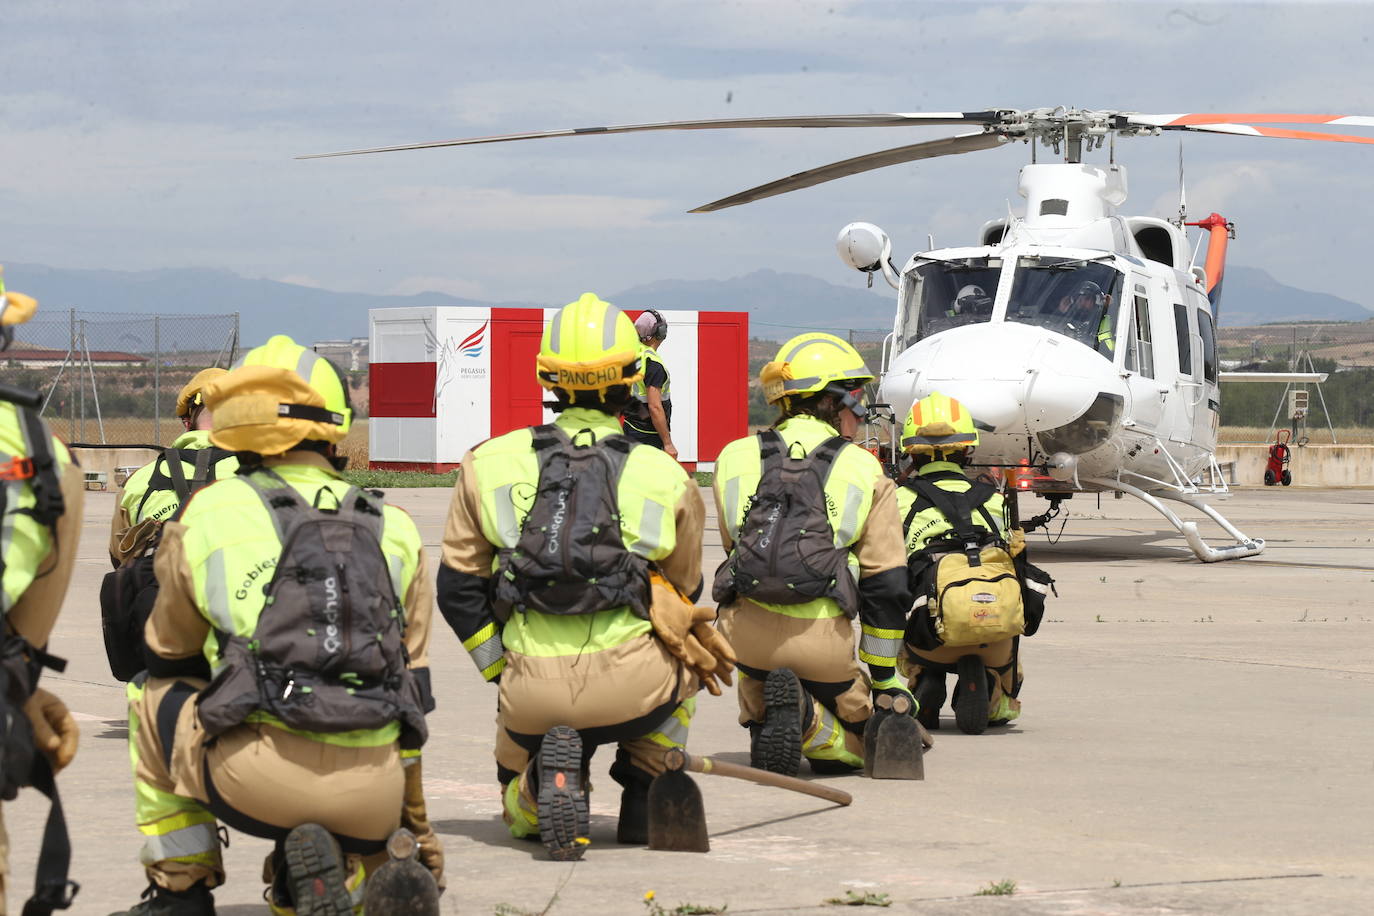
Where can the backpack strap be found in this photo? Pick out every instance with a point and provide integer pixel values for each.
(825, 454)
(48, 504)
(957, 509)
(172, 458)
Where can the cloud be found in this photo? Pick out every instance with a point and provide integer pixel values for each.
(444, 208)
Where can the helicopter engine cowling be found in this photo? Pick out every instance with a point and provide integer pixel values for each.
(1032, 392)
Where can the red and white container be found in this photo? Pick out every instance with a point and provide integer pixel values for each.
(445, 378)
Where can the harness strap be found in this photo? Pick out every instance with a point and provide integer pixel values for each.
(176, 473)
(48, 504)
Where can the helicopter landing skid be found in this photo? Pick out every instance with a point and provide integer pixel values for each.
(1243, 547)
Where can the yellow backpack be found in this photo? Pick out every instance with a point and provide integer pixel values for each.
(971, 591)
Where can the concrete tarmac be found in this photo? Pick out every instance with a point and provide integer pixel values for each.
(1195, 739)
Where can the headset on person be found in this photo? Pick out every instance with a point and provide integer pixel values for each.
(660, 329)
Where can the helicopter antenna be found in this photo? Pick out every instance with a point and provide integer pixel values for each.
(1182, 187)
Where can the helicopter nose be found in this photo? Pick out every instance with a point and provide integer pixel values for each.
(1014, 379)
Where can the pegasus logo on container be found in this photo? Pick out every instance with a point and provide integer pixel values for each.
(471, 345)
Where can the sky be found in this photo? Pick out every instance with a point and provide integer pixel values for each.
(145, 134)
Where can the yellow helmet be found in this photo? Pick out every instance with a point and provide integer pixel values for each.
(937, 423)
(809, 363)
(280, 394)
(192, 395)
(589, 345)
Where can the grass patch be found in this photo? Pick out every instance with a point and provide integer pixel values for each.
(393, 479)
(654, 908)
(705, 478)
(854, 898)
(1004, 888)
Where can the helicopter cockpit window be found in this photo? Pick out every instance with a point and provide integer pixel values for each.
(1076, 298)
(939, 295)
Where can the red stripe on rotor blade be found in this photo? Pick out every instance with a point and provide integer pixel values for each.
(1310, 135)
(1254, 119)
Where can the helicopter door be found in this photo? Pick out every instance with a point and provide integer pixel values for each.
(1188, 387)
(1208, 413)
(1147, 396)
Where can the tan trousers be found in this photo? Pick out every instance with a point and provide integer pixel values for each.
(258, 777)
(995, 655)
(820, 652)
(600, 690)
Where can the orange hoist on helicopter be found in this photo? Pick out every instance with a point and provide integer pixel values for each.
(1083, 340)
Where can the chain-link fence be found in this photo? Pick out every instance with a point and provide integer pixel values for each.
(113, 379)
(1345, 401)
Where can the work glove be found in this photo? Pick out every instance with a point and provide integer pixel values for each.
(893, 685)
(415, 818)
(54, 730)
(1016, 542)
(687, 633)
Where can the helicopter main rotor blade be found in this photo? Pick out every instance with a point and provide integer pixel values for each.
(948, 146)
(1279, 133)
(1188, 120)
(911, 119)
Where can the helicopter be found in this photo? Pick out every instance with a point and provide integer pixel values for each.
(1082, 341)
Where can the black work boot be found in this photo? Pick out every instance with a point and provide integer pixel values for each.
(971, 712)
(777, 744)
(564, 815)
(929, 691)
(315, 873)
(158, 901)
(633, 827)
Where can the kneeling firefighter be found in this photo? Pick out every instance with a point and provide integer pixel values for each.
(40, 502)
(809, 523)
(152, 496)
(568, 557)
(975, 594)
(306, 601)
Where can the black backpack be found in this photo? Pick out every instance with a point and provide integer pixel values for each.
(127, 594)
(785, 552)
(327, 653)
(571, 557)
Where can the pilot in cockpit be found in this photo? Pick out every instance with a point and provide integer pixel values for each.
(1086, 314)
(971, 303)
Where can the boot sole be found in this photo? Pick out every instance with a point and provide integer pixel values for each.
(564, 818)
(316, 872)
(971, 713)
(779, 747)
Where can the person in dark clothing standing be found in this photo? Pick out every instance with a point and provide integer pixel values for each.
(649, 416)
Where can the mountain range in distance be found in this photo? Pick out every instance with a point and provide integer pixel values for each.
(779, 304)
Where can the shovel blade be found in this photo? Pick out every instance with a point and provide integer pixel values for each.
(677, 815)
(897, 749)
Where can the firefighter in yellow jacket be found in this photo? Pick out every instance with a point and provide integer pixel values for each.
(152, 494)
(939, 434)
(41, 504)
(554, 536)
(809, 523)
(306, 600)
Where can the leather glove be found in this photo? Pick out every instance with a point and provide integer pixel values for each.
(687, 633)
(415, 818)
(1016, 541)
(893, 685)
(54, 730)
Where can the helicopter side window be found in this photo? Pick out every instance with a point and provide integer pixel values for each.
(939, 295)
(1185, 339)
(1140, 357)
(1076, 298)
(1208, 333)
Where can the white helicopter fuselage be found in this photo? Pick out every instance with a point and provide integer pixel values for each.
(1126, 389)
